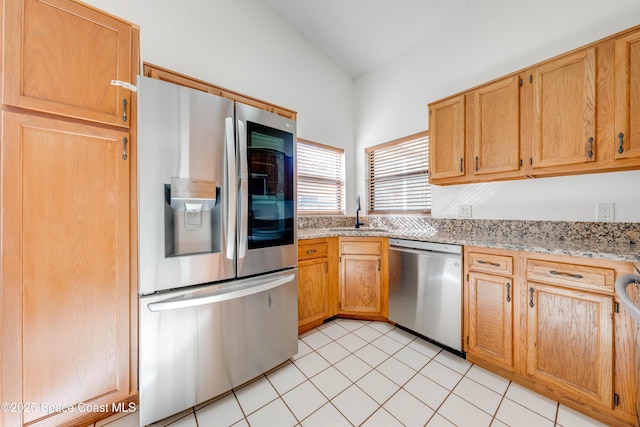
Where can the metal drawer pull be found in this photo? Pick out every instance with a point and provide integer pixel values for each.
(562, 273)
(531, 297)
(311, 251)
(508, 292)
(461, 170)
(495, 264)
(590, 153)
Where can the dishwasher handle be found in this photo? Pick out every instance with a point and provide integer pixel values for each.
(415, 251)
(173, 303)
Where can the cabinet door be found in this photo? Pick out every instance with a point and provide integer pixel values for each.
(361, 284)
(565, 111)
(65, 266)
(312, 290)
(570, 341)
(627, 75)
(490, 318)
(60, 57)
(446, 139)
(494, 127)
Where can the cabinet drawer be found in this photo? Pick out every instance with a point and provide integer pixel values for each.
(489, 263)
(313, 250)
(361, 247)
(572, 275)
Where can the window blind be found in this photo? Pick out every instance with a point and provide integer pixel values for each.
(398, 175)
(320, 178)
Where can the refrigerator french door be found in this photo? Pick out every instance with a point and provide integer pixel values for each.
(217, 245)
(267, 237)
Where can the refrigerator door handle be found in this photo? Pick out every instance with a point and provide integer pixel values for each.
(177, 303)
(244, 191)
(232, 188)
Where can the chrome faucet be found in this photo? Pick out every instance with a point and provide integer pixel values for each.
(358, 223)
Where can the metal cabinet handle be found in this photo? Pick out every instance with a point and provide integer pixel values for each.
(590, 152)
(311, 251)
(495, 264)
(508, 292)
(620, 143)
(378, 263)
(476, 163)
(562, 273)
(124, 148)
(531, 297)
(461, 161)
(124, 110)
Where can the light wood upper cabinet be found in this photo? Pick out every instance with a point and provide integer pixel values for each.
(66, 255)
(363, 283)
(60, 57)
(627, 77)
(570, 341)
(447, 127)
(156, 72)
(568, 115)
(564, 125)
(493, 128)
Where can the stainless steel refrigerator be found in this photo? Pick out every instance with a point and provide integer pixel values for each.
(217, 245)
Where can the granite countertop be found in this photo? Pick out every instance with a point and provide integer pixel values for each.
(584, 247)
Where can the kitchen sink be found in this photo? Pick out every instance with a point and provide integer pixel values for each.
(623, 285)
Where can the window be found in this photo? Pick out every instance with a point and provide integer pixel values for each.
(397, 175)
(320, 178)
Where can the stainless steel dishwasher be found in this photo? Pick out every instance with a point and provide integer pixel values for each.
(425, 290)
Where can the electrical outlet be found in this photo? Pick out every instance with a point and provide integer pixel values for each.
(464, 211)
(605, 211)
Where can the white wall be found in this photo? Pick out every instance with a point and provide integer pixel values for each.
(494, 38)
(244, 46)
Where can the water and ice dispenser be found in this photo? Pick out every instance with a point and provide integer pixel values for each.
(192, 217)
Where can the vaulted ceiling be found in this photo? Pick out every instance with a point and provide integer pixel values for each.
(360, 35)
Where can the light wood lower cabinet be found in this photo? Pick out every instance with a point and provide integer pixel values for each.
(317, 281)
(66, 295)
(363, 285)
(489, 300)
(490, 318)
(568, 341)
(344, 276)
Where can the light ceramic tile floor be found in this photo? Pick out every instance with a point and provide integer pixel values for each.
(358, 373)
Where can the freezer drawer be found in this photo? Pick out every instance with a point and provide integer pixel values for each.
(195, 345)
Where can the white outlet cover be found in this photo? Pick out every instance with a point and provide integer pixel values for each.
(605, 211)
(464, 211)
